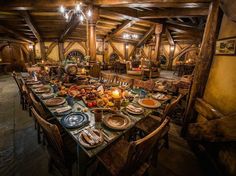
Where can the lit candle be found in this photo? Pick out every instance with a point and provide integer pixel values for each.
(83, 71)
(116, 94)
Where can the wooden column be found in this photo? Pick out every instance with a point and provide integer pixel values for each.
(34, 54)
(106, 59)
(158, 31)
(126, 49)
(61, 51)
(171, 56)
(42, 50)
(206, 54)
(92, 34)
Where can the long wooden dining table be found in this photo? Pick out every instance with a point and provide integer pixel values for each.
(110, 135)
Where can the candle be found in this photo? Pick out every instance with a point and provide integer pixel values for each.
(83, 71)
(116, 94)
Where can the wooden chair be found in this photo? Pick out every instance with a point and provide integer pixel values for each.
(132, 158)
(147, 85)
(41, 111)
(61, 150)
(22, 90)
(124, 81)
(95, 70)
(147, 125)
(107, 77)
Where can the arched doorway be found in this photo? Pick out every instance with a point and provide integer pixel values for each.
(113, 58)
(75, 56)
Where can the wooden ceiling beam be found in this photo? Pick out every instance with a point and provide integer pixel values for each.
(161, 13)
(169, 37)
(35, 5)
(123, 15)
(194, 26)
(8, 39)
(31, 24)
(183, 29)
(126, 24)
(16, 34)
(146, 36)
(154, 3)
(69, 28)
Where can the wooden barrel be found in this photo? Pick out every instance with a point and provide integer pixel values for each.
(71, 69)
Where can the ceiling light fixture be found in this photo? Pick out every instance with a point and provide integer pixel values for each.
(130, 36)
(77, 10)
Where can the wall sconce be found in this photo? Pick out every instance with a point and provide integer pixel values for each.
(31, 46)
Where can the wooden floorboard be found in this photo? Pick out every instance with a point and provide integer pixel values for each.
(20, 154)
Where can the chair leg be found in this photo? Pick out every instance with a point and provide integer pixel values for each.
(50, 164)
(39, 135)
(166, 141)
(30, 113)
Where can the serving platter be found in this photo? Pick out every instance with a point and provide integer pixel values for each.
(56, 101)
(91, 138)
(117, 122)
(149, 103)
(75, 120)
(41, 90)
(32, 82)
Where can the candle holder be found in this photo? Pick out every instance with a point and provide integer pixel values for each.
(117, 103)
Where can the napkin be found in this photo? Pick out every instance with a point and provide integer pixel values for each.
(63, 109)
(159, 96)
(91, 137)
(134, 108)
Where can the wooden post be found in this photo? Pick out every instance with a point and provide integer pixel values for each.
(206, 53)
(158, 31)
(106, 59)
(42, 50)
(61, 51)
(92, 34)
(171, 56)
(34, 54)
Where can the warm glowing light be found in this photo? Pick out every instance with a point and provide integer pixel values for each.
(89, 13)
(81, 18)
(116, 94)
(126, 46)
(77, 7)
(66, 16)
(83, 71)
(30, 46)
(62, 9)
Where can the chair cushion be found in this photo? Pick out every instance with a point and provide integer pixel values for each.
(115, 157)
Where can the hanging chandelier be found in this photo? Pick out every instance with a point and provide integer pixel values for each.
(130, 36)
(77, 10)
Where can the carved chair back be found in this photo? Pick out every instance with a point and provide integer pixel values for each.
(124, 81)
(107, 77)
(37, 106)
(170, 107)
(147, 85)
(95, 70)
(141, 150)
(52, 134)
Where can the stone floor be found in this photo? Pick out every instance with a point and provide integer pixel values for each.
(20, 154)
